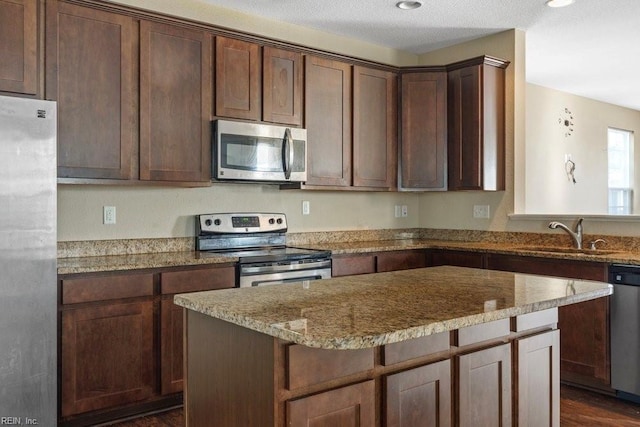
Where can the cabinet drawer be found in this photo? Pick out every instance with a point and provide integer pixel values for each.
(418, 347)
(351, 265)
(102, 288)
(307, 366)
(537, 319)
(483, 332)
(175, 282)
(401, 260)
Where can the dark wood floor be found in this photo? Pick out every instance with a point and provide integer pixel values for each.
(578, 408)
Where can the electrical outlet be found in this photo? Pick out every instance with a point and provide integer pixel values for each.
(398, 211)
(306, 207)
(109, 215)
(405, 211)
(481, 211)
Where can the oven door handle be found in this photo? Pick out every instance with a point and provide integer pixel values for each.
(265, 269)
(247, 281)
(282, 281)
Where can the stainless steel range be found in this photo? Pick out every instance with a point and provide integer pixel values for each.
(258, 240)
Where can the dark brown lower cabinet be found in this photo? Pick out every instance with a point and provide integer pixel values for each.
(484, 387)
(584, 327)
(457, 258)
(420, 396)
(171, 366)
(121, 342)
(537, 383)
(350, 406)
(377, 262)
(349, 265)
(107, 356)
(400, 260)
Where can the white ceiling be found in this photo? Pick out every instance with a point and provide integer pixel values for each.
(591, 48)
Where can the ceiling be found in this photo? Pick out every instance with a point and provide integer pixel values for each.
(590, 48)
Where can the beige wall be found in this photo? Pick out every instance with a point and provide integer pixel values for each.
(547, 188)
(150, 212)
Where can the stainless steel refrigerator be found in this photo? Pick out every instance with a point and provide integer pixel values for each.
(28, 391)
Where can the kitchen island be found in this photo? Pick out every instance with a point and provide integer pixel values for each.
(448, 344)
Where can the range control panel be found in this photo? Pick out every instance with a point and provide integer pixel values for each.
(241, 223)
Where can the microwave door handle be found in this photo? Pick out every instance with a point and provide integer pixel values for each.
(287, 153)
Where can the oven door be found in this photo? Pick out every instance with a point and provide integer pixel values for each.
(259, 152)
(280, 277)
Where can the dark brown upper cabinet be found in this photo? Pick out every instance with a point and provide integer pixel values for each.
(424, 130)
(91, 69)
(19, 46)
(238, 77)
(175, 103)
(375, 128)
(282, 86)
(476, 104)
(328, 121)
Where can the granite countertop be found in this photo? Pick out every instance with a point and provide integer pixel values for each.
(92, 264)
(527, 249)
(375, 309)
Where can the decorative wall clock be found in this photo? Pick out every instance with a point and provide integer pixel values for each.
(566, 122)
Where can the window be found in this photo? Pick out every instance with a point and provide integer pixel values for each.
(620, 159)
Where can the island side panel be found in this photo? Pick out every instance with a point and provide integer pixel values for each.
(226, 384)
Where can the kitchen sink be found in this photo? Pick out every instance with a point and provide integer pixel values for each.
(553, 249)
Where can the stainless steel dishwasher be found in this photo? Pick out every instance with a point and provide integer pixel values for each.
(625, 330)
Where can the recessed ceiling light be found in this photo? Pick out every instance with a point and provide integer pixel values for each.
(408, 5)
(559, 3)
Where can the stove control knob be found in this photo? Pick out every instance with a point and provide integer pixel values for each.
(279, 221)
(271, 221)
(217, 221)
(207, 222)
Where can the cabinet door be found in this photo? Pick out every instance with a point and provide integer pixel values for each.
(465, 168)
(282, 86)
(175, 103)
(171, 319)
(238, 79)
(584, 327)
(424, 131)
(484, 387)
(328, 121)
(400, 260)
(351, 406)
(107, 356)
(19, 46)
(90, 72)
(538, 380)
(171, 347)
(375, 135)
(476, 128)
(420, 397)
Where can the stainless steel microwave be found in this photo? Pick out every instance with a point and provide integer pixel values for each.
(259, 152)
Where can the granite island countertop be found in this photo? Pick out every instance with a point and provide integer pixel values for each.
(369, 310)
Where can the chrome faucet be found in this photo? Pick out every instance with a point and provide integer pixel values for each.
(575, 235)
